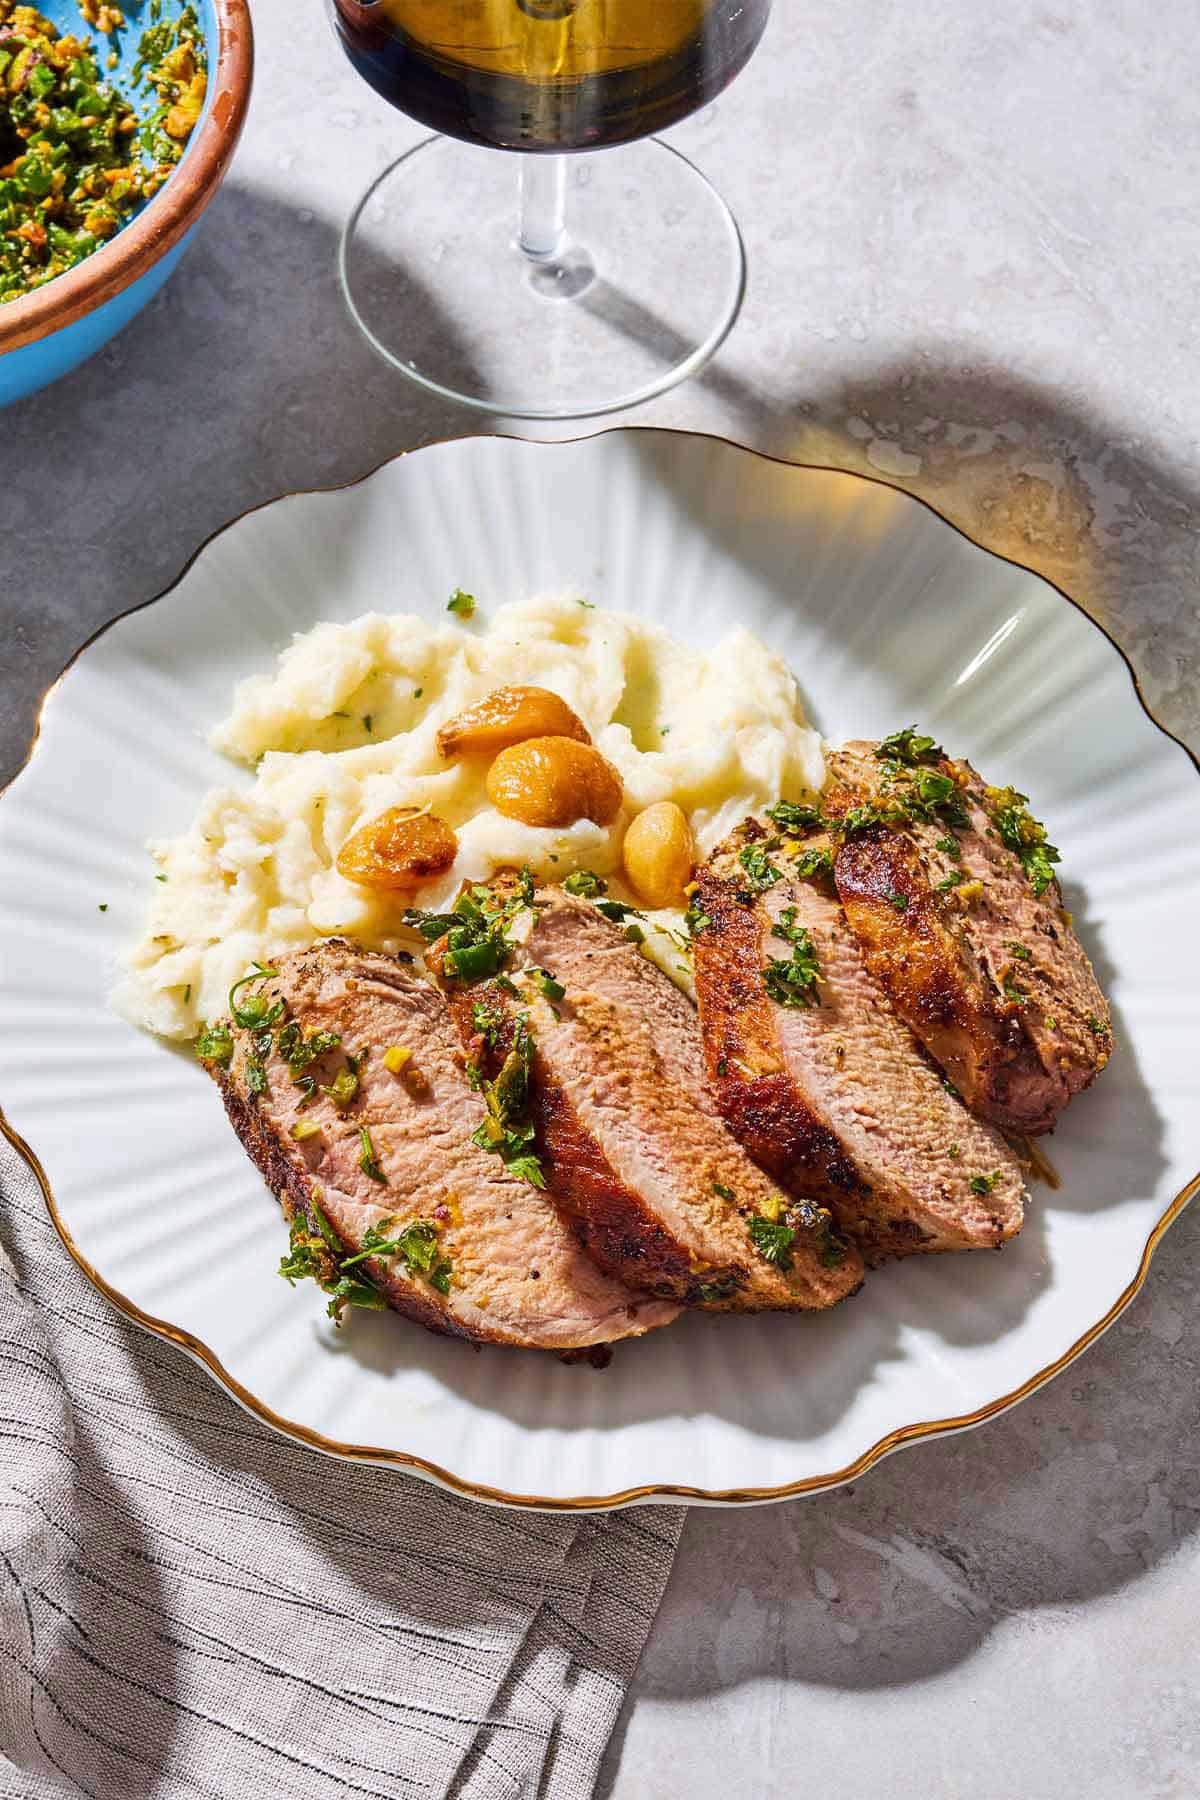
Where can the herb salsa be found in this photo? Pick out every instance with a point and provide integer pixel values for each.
(77, 158)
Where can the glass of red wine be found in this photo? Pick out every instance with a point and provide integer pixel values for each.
(593, 282)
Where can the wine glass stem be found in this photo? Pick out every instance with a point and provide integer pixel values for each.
(543, 206)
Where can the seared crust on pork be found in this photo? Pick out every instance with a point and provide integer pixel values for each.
(516, 1274)
(832, 1093)
(988, 973)
(627, 1132)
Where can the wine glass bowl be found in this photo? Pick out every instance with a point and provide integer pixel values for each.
(617, 276)
(548, 75)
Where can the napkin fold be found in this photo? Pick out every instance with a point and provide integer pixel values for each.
(192, 1605)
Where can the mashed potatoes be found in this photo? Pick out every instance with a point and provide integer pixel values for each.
(344, 728)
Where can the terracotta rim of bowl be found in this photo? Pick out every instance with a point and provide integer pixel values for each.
(170, 214)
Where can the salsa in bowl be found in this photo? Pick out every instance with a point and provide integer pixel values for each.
(116, 127)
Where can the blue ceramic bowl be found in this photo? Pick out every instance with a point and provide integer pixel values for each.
(48, 332)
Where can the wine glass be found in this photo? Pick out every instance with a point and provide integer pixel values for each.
(614, 276)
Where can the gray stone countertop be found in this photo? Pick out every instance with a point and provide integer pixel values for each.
(973, 235)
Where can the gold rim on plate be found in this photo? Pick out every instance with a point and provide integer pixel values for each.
(894, 1440)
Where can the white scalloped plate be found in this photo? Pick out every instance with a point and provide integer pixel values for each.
(887, 614)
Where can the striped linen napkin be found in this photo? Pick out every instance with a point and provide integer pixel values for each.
(191, 1605)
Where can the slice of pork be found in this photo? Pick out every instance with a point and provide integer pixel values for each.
(989, 974)
(836, 1098)
(516, 1273)
(628, 1134)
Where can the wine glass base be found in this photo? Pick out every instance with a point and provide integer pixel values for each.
(638, 296)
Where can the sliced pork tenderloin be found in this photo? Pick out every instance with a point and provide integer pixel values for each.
(369, 1141)
(627, 1133)
(967, 933)
(818, 1077)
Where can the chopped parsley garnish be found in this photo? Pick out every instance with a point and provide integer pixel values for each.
(477, 943)
(950, 847)
(794, 982)
(256, 1011)
(759, 867)
(1024, 835)
(546, 984)
(586, 884)
(791, 933)
(808, 1216)
(773, 1240)
(160, 878)
(1094, 1025)
(256, 1074)
(506, 1131)
(417, 1246)
(696, 920)
(908, 746)
(526, 885)
(813, 863)
(431, 925)
(1020, 952)
(794, 817)
(860, 818)
(475, 961)
(315, 1253)
(928, 793)
(103, 907)
(375, 1243)
(898, 901)
(618, 911)
(215, 1044)
(367, 1160)
(298, 1051)
(487, 1023)
(471, 961)
(1014, 992)
(633, 933)
(462, 604)
(983, 1184)
(725, 1192)
(911, 791)
(950, 881)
